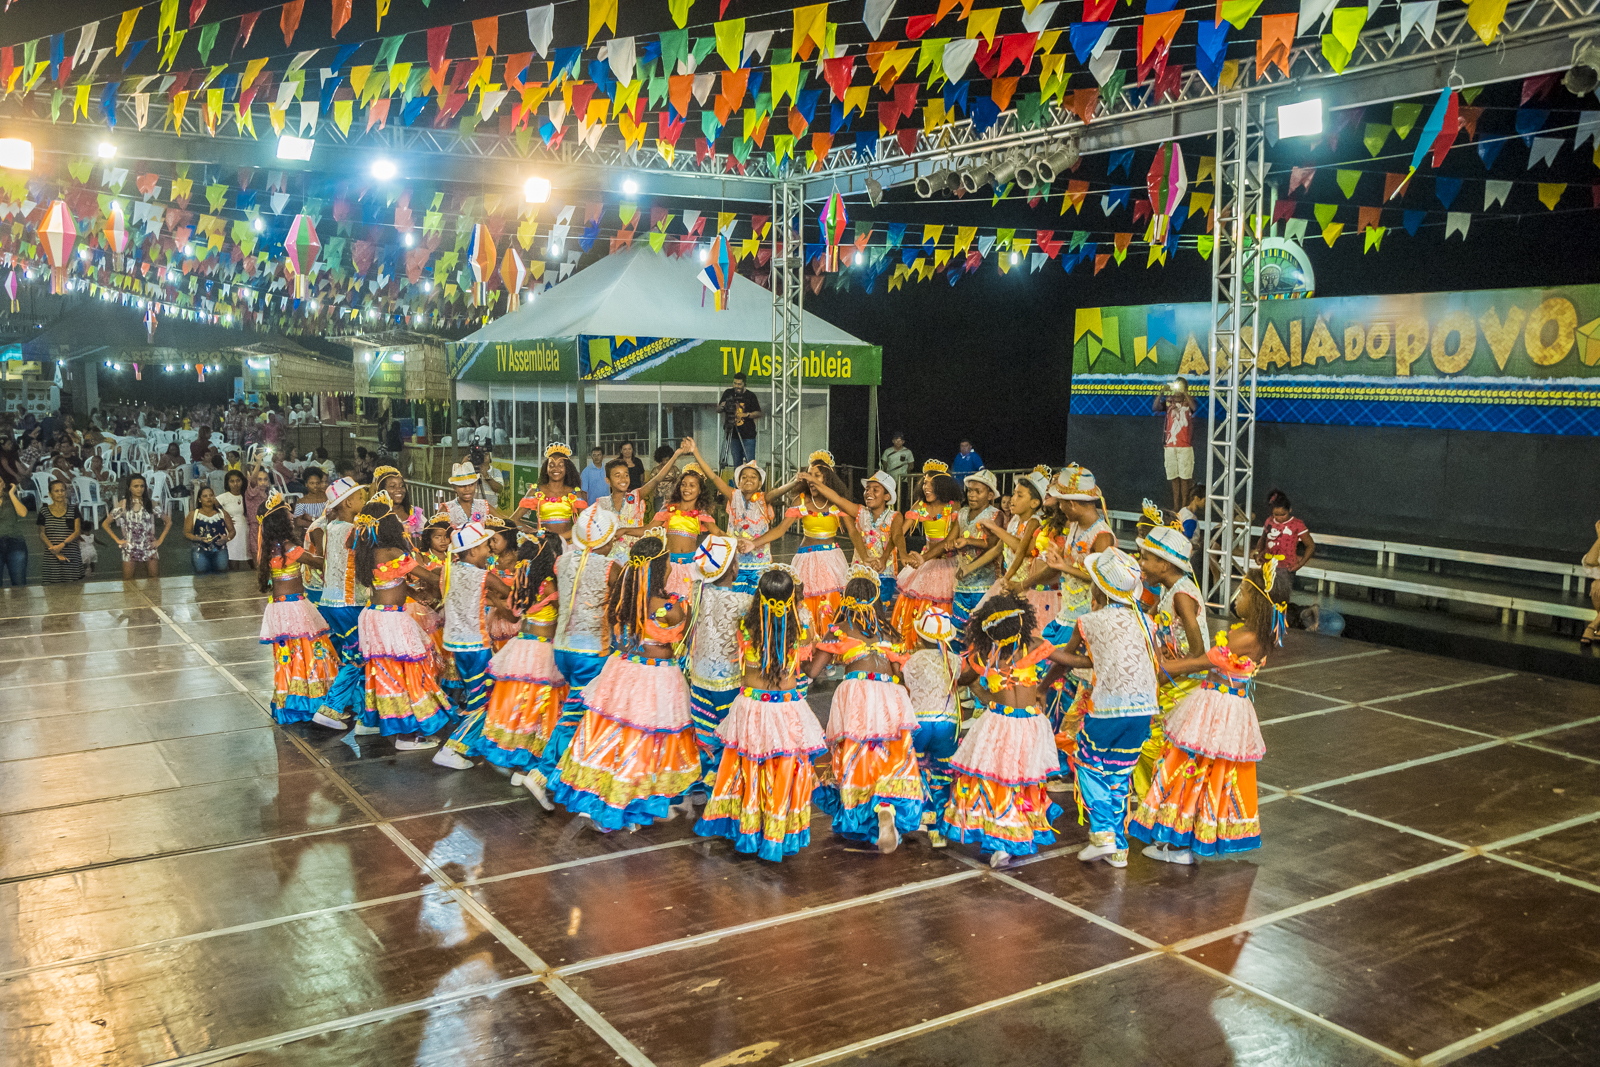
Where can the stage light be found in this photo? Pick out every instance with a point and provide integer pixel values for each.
(704, 255)
(106, 150)
(16, 154)
(975, 177)
(1585, 73)
(1302, 119)
(1005, 173)
(1015, 259)
(290, 147)
(188, 250)
(259, 225)
(930, 185)
(861, 259)
(409, 240)
(427, 287)
(383, 169)
(536, 190)
(874, 191)
(630, 187)
(1054, 164)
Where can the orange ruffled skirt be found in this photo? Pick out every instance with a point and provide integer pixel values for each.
(524, 705)
(1204, 804)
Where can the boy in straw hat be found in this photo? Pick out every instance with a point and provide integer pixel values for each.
(465, 507)
(1180, 625)
(713, 646)
(468, 586)
(1121, 647)
(331, 537)
(976, 550)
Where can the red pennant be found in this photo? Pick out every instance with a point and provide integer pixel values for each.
(581, 94)
(905, 98)
(438, 41)
(1141, 211)
(1169, 83)
(1155, 59)
(1538, 87)
(247, 26)
(1098, 10)
(341, 15)
(838, 74)
(702, 149)
(8, 63)
(1283, 209)
(918, 25)
(289, 21)
(1017, 47)
(1448, 131)
(908, 139)
(146, 183)
(195, 7)
(988, 58)
(1299, 176)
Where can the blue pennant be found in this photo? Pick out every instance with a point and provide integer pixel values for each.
(1489, 151)
(108, 103)
(955, 97)
(1122, 161)
(1446, 189)
(1412, 220)
(342, 57)
(1531, 120)
(984, 114)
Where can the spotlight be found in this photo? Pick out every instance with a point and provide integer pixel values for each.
(259, 225)
(16, 154)
(1056, 163)
(1028, 174)
(1006, 172)
(704, 255)
(861, 259)
(106, 150)
(427, 287)
(874, 191)
(290, 147)
(409, 240)
(1015, 259)
(1585, 73)
(930, 185)
(383, 169)
(975, 177)
(536, 190)
(630, 187)
(1302, 119)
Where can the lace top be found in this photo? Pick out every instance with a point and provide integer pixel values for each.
(581, 612)
(875, 532)
(311, 577)
(982, 578)
(714, 639)
(1074, 590)
(630, 514)
(750, 517)
(464, 629)
(339, 586)
(1169, 627)
(928, 674)
(1124, 663)
(460, 516)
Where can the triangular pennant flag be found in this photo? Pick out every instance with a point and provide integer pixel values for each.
(1495, 193)
(1347, 180)
(1421, 16)
(1457, 222)
(1550, 193)
(1544, 151)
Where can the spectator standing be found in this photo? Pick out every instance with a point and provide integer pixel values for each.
(231, 500)
(13, 545)
(628, 455)
(1591, 570)
(967, 461)
(1284, 535)
(1177, 447)
(135, 517)
(594, 476)
(60, 529)
(210, 528)
(740, 408)
(897, 459)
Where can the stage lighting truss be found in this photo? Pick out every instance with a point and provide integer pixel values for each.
(1027, 168)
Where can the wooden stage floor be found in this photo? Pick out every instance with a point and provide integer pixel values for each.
(183, 882)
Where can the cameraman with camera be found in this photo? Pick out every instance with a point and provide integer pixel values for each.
(740, 409)
(482, 461)
(1178, 452)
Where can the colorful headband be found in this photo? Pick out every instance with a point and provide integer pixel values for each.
(821, 455)
(861, 570)
(1153, 517)
(935, 466)
(558, 450)
(385, 472)
(787, 569)
(275, 502)
(636, 559)
(1000, 616)
(380, 497)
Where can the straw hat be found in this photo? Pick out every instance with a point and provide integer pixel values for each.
(935, 625)
(595, 526)
(469, 536)
(1040, 483)
(761, 472)
(1170, 545)
(983, 477)
(1116, 573)
(884, 480)
(714, 556)
(463, 473)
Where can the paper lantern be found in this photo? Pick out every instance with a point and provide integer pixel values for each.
(833, 224)
(1166, 182)
(11, 290)
(718, 273)
(300, 248)
(514, 275)
(58, 233)
(480, 257)
(116, 229)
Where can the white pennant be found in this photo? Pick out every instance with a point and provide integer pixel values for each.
(1103, 43)
(1457, 222)
(703, 84)
(487, 102)
(1036, 20)
(1311, 11)
(300, 60)
(85, 43)
(1295, 230)
(958, 54)
(141, 108)
(1495, 193)
(1588, 129)
(875, 14)
(1372, 7)
(308, 114)
(541, 27)
(1036, 261)
(1104, 65)
(1544, 150)
(1421, 15)
(99, 57)
(756, 45)
(689, 219)
(286, 92)
(984, 244)
(557, 110)
(621, 55)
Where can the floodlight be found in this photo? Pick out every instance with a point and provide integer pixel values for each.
(1057, 163)
(536, 190)
(383, 169)
(861, 259)
(1585, 73)
(16, 154)
(1301, 119)
(409, 240)
(290, 147)
(106, 150)
(630, 187)
(259, 225)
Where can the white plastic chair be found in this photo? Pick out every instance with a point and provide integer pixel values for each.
(218, 480)
(90, 501)
(162, 495)
(41, 487)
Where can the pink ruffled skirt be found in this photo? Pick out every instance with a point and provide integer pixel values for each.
(680, 574)
(760, 729)
(867, 710)
(822, 571)
(935, 580)
(1218, 725)
(392, 635)
(285, 619)
(526, 661)
(652, 697)
(1010, 749)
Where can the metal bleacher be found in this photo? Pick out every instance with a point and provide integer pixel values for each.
(1517, 587)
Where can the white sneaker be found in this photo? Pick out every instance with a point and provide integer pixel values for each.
(449, 757)
(534, 783)
(1119, 858)
(1101, 844)
(362, 730)
(888, 832)
(409, 744)
(517, 778)
(1059, 785)
(998, 859)
(1170, 855)
(330, 722)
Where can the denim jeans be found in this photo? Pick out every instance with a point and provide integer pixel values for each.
(14, 560)
(741, 449)
(209, 560)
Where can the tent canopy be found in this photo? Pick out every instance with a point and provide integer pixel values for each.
(643, 293)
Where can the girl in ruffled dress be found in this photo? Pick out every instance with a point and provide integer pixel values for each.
(1203, 799)
(685, 518)
(762, 797)
(304, 662)
(931, 673)
(929, 580)
(818, 561)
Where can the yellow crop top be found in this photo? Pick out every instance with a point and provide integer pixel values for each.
(392, 574)
(817, 525)
(557, 509)
(850, 648)
(679, 521)
(544, 609)
(286, 565)
(935, 524)
(1024, 671)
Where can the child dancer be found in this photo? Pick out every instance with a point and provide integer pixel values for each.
(1203, 799)
(876, 791)
(1119, 706)
(401, 686)
(686, 516)
(556, 501)
(424, 604)
(1180, 625)
(818, 561)
(1023, 539)
(931, 581)
(528, 692)
(467, 505)
(468, 588)
(762, 797)
(1079, 503)
(975, 549)
(343, 597)
(584, 578)
(713, 646)
(503, 624)
(931, 674)
(304, 662)
(749, 515)
(999, 801)
(634, 753)
(630, 505)
(874, 529)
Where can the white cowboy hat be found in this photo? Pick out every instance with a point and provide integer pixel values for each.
(884, 480)
(1116, 573)
(983, 477)
(1074, 483)
(469, 536)
(463, 473)
(936, 625)
(340, 489)
(714, 556)
(595, 526)
(1170, 545)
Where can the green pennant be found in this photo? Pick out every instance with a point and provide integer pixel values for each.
(1374, 137)
(1028, 107)
(1203, 244)
(657, 87)
(1404, 116)
(208, 40)
(1079, 239)
(389, 52)
(1113, 87)
(56, 99)
(702, 48)
(1347, 180)
(1471, 94)
(674, 49)
(1325, 213)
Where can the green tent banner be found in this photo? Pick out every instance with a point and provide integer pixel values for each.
(653, 359)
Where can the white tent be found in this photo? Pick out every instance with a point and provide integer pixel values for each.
(641, 293)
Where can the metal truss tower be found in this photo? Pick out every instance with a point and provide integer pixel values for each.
(788, 344)
(1237, 228)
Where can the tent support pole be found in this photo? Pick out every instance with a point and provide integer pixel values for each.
(581, 447)
(788, 345)
(872, 430)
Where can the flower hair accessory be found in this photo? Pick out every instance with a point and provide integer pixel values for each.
(275, 502)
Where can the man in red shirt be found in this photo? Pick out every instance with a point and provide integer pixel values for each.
(1178, 450)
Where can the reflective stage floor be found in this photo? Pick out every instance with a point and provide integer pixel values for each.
(183, 882)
